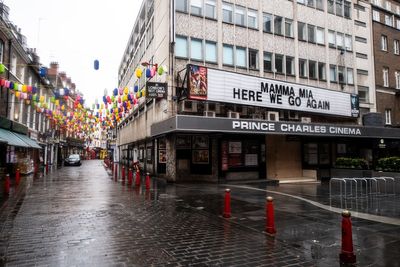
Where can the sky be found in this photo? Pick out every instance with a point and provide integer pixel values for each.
(75, 33)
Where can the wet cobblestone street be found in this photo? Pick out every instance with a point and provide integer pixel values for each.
(79, 216)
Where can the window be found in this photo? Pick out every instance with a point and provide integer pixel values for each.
(196, 7)
(196, 49)
(349, 75)
(339, 40)
(267, 22)
(278, 25)
(182, 5)
(376, 15)
(13, 67)
(363, 94)
(310, 3)
(240, 16)
(332, 38)
(288, 27)
(398, 24)
(211, 51)
(389, 20)
(253, 59)
(210, 9)
(311, 33)
(320, 36)
(339, 7)
(388, 116)
(396, 47)
(289, 65)
(227, 55)
(388, 6)
(279, 63)
(301, 2)
(303, 68)
(331, 6)
(397, 78)
(383, 43)
(302, 31)
(312, 69)
(227, 12)
(241, 57)
(252, 19)
(348, 42)
(347, 9)
(385, 73)
(321, 71)
(332, 73)
(320, 4)
(1, 51)
(267, 61)
(341, 74)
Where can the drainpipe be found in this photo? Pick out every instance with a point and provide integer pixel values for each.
(8, 74)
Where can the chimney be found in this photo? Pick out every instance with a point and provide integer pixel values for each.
(53, 70)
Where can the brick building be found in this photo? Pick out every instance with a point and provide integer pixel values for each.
(386, 40)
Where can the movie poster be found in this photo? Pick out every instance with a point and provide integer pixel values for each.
(198, 84)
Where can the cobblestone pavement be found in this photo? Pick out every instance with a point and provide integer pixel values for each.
(79, 216)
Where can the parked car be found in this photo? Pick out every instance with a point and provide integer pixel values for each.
(73, 159)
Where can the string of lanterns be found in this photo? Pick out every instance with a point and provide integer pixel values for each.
(81, 120)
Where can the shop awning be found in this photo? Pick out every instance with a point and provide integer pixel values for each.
(32, 143)
(12, 139)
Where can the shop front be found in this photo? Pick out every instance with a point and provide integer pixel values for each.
(213, 149)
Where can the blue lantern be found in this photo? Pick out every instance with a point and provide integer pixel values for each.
(136, 88)
(96, 64)
(115, 91)
(148, 73)
(43, 72)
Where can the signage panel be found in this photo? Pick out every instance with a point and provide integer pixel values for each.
(156, 90)
(222, 86)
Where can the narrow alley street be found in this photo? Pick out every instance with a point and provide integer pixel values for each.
(79, 216)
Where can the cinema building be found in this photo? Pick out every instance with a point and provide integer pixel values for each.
(254, 90)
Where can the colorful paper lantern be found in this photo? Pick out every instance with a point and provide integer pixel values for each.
(96, 64)
(2, 68)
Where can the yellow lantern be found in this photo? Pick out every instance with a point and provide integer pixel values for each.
(126, 90)
(138, 72)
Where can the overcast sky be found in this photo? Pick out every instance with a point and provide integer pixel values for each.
(75, 33)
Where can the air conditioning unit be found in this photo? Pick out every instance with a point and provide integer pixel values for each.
(245, 111)
(213, 107)
(188, 106)
(293, 115)
(257, 116)
(272, 116)
(233, 115)
(305, 119)
(209, 113)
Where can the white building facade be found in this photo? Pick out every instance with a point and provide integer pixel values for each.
(254, 89)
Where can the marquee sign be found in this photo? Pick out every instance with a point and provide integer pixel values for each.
(222, 86)
(198, 124)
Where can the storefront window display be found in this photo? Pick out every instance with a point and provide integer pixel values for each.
(240, 154)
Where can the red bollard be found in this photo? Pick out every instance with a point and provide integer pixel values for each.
(148, 181)
(227, 206)
(35, 169)
(269, 210)
(47, 168)
(347, 255)
(130, 175)
(123, 173)
(7, 185)
(137, 183)
(17, 177)
(116, 172)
